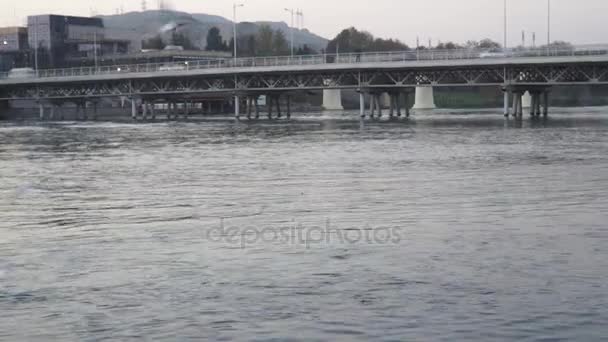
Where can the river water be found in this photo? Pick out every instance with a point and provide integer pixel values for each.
(445, 227)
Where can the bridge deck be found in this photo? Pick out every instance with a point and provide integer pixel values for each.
(353, 65)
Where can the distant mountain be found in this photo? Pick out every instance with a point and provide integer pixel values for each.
(137, 26)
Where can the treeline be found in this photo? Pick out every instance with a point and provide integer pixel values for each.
(266, 42)
(352, 40)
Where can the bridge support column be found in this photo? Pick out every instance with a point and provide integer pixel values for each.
(526, 100)
(546, 101)
(249, 105)
(288, 107)
(52, 112)
(372, 105)
(133, 109)
(237, 107)
(144, 112)
(257, 107)
(379, 104)
(41, 111)
(391, 110)
(153, 110)
(507, 96)
(58, 111)
(398, 103)
(186, 110)
(362, 104)
(516, 98)
(532, 105)
(94, 110)
(406, 102)
(269, 106)
(277, 100)
(332, 99)
(424, 98)
(85, 114)
(520, 108)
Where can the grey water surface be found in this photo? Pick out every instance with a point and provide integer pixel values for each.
(442, 227)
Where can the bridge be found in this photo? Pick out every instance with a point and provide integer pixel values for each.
(244, 80)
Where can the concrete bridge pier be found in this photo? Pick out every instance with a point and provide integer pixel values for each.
(395, 104)
(361, 104)
(52, 112)
(535, 105)
(209, 108)
(506, 101)
(56, 111)
(186, 109)
(95, 106)
(269, 106)
(172, 108)
(526, 100)
(375, 105)
(252, 104)
(332, 99)
(391, 105)
(133, 109)
(372, 105)
(546, 101)
(249, 107)
(377, 99)
(277, 101)
(41, 112)
(80, 111)
(237, 107)
(424, 98)
(518, 105)
(145, 107)
(288, 100)
(407, 105)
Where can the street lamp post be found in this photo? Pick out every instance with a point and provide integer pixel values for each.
(95, 49)
(234, 7)
(291, 10)
(548, 22)
(505, 25)
(36, 45)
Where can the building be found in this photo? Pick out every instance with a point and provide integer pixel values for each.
(13, 39)
(66, 41)
(13, 48)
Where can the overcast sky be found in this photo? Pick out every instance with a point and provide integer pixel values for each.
(579, 21)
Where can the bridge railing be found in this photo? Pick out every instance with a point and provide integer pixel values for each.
(346, 58)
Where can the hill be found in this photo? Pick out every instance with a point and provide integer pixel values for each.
(137, 26)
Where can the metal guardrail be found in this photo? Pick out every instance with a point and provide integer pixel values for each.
(347, 58)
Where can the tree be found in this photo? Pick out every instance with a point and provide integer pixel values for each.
(489, 44)
(448, 46)
(279, 43)
(352, 40)
(264, 41)
(154, 43)
(305, 50)
(215, 42)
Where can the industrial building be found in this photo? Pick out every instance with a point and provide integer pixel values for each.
(64, 41)
(13, 48)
